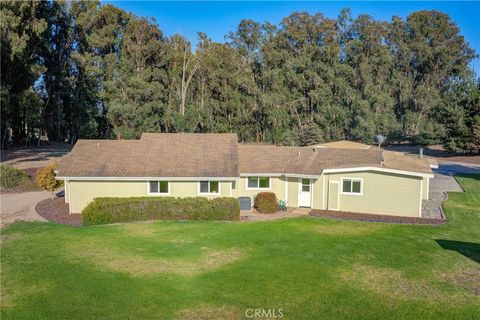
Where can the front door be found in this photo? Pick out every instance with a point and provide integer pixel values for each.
(333, 195)
(304, 197)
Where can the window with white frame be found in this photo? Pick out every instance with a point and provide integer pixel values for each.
(209, 187)
(352, 186)
(158, 187)
(258, 183)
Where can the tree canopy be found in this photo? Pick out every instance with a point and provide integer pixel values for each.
(79, 69)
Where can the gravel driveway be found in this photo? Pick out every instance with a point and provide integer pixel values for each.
(21, 206)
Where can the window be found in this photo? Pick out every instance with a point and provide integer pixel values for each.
(352, 186)
(158, 187)
(258, 183)
(305, 185)
(209, 187)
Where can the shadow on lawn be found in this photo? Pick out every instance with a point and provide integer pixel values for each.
(468, 249)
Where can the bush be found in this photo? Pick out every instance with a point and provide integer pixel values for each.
(46, 178)
(266, 202)
(11, 177)
(111, 210)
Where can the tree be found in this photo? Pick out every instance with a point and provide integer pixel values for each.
(46, 178)
(22, 32)
(462, 119)
(311, 134)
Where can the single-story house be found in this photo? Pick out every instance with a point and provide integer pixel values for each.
(328, 177)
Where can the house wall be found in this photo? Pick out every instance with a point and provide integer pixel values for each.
(285, 189)
(83, 192)
(277, 186)
(293, 192)
(383, 193)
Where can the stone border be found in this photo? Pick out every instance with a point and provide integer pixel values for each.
(342, 215)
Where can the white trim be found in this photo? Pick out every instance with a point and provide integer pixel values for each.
(352, 193)
(421, 198)
(324, 206)
(428, 189)
(158, 193)
(286, 190)
(261, 174)
(209, 193)
(300, 190)
(311, 194)
(338, 195)
(434, 166)
(408, 173)
(149, 178)
(269, 183)
(304, 176)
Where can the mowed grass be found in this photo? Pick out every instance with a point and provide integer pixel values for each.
(310, 268)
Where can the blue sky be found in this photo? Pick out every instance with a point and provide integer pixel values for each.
(216, 19)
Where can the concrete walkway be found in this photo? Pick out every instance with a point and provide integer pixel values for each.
(21, 206)
(444, 181)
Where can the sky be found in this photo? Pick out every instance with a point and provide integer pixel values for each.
(217, 18)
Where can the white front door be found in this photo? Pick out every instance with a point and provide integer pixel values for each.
(304, 196)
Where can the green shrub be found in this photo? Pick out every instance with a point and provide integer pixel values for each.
(266, 202)
(11, 177)
(111, 210)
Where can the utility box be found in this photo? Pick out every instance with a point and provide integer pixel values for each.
(245, 203)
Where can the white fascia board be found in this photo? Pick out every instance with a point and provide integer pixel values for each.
(148, 178)
(261, 174)
(407, 173)
(307, 176)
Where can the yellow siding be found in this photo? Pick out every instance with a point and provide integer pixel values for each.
(317, 197)
(83, 192)
(293, 192)
(277, 186)
(383, 193)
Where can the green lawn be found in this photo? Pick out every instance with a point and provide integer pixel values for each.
(310, 268)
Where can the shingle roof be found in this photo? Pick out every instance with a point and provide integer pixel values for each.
(217, 155)
(302, 160)
(155, 155)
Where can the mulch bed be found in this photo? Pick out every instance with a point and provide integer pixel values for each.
(341, 215)
(56, 210)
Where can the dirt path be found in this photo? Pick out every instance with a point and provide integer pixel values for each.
(34, 157)
(21, 206)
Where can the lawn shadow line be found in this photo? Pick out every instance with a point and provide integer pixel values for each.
(470, 250)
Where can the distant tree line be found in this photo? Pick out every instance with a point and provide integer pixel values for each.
(79, 69)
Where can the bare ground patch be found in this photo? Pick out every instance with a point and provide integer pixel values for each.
(393, 283)
(210, 312)
(468, 279)
(138, 265)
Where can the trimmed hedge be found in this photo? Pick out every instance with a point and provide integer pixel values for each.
(111, 210)
(11, 177)
(266, 202)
